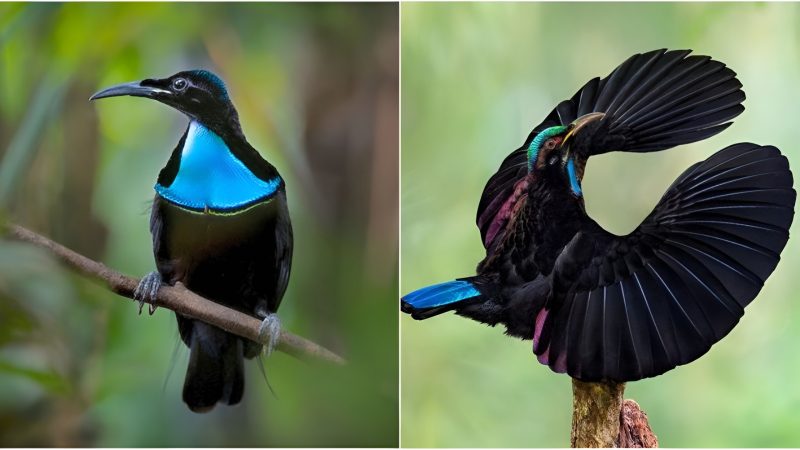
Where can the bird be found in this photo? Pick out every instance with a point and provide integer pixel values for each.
(607, 308)
(220, 226)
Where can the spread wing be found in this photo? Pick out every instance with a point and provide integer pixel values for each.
(631, 307)
(653, 101)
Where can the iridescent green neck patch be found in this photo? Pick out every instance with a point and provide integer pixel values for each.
(536, 143)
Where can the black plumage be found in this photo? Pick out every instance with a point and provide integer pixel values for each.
(604, 307)
(220, 225)
(629, 307)
(652, 101)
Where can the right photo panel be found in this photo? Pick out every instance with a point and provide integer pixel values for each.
(597, 236)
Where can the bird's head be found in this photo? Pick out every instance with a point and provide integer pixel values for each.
(553, 150)
(199, 94)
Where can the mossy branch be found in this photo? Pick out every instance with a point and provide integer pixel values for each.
(602, 419)
(176, 298)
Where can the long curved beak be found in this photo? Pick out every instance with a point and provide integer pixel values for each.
(134, 89)
(580, 123)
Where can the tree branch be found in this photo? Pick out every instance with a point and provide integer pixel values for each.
(177, 298)
(596, 411)
(600, 418)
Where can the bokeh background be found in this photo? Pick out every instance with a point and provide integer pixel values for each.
(475, 79)
(316, 86)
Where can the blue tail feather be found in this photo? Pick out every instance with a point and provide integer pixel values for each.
(438, 297)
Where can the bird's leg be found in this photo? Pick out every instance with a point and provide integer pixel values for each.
(270, 330)
(147, 291)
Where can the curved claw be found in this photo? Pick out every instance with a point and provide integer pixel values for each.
(147, 291)
(271, 331)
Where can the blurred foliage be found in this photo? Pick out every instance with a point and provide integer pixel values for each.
(476, 78)
(316, 87)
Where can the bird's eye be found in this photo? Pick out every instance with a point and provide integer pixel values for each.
(179, 84)
(552, 143)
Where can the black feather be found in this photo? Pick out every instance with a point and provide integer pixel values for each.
(680, 282)
(653, 101)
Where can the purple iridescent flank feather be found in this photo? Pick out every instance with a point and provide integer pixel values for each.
(544, 358)
(499, 220)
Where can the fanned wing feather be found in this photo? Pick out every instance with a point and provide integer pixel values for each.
(631, 307)
(653, 101)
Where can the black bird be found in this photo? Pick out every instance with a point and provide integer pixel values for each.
(604, 307)
(220, 226)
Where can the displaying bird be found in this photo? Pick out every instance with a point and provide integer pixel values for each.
(220, 225)
(619, 308)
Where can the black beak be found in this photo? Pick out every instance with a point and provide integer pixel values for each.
(581, 122)
(134, 89)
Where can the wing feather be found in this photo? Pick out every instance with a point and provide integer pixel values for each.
(653, 101)
(636, 306)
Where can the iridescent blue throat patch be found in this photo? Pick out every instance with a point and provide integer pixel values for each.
(574, 184)
(210, 177)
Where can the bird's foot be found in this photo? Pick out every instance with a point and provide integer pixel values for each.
(270, 331)
(147, 291)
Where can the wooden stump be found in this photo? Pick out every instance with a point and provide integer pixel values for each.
(601, 419)
(634, 429)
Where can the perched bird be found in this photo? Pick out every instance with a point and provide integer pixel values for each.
(619, 308)
(220, 225)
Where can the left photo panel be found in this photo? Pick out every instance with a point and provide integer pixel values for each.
(199, 225)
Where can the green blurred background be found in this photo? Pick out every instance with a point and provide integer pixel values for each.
(316, 88)
(475, 79)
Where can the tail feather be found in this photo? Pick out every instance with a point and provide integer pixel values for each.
(439, 298)
(216, 368)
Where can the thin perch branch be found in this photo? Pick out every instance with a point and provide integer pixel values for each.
(178, 299)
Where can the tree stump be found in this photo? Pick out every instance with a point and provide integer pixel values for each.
(634, 429)
(602, 419)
